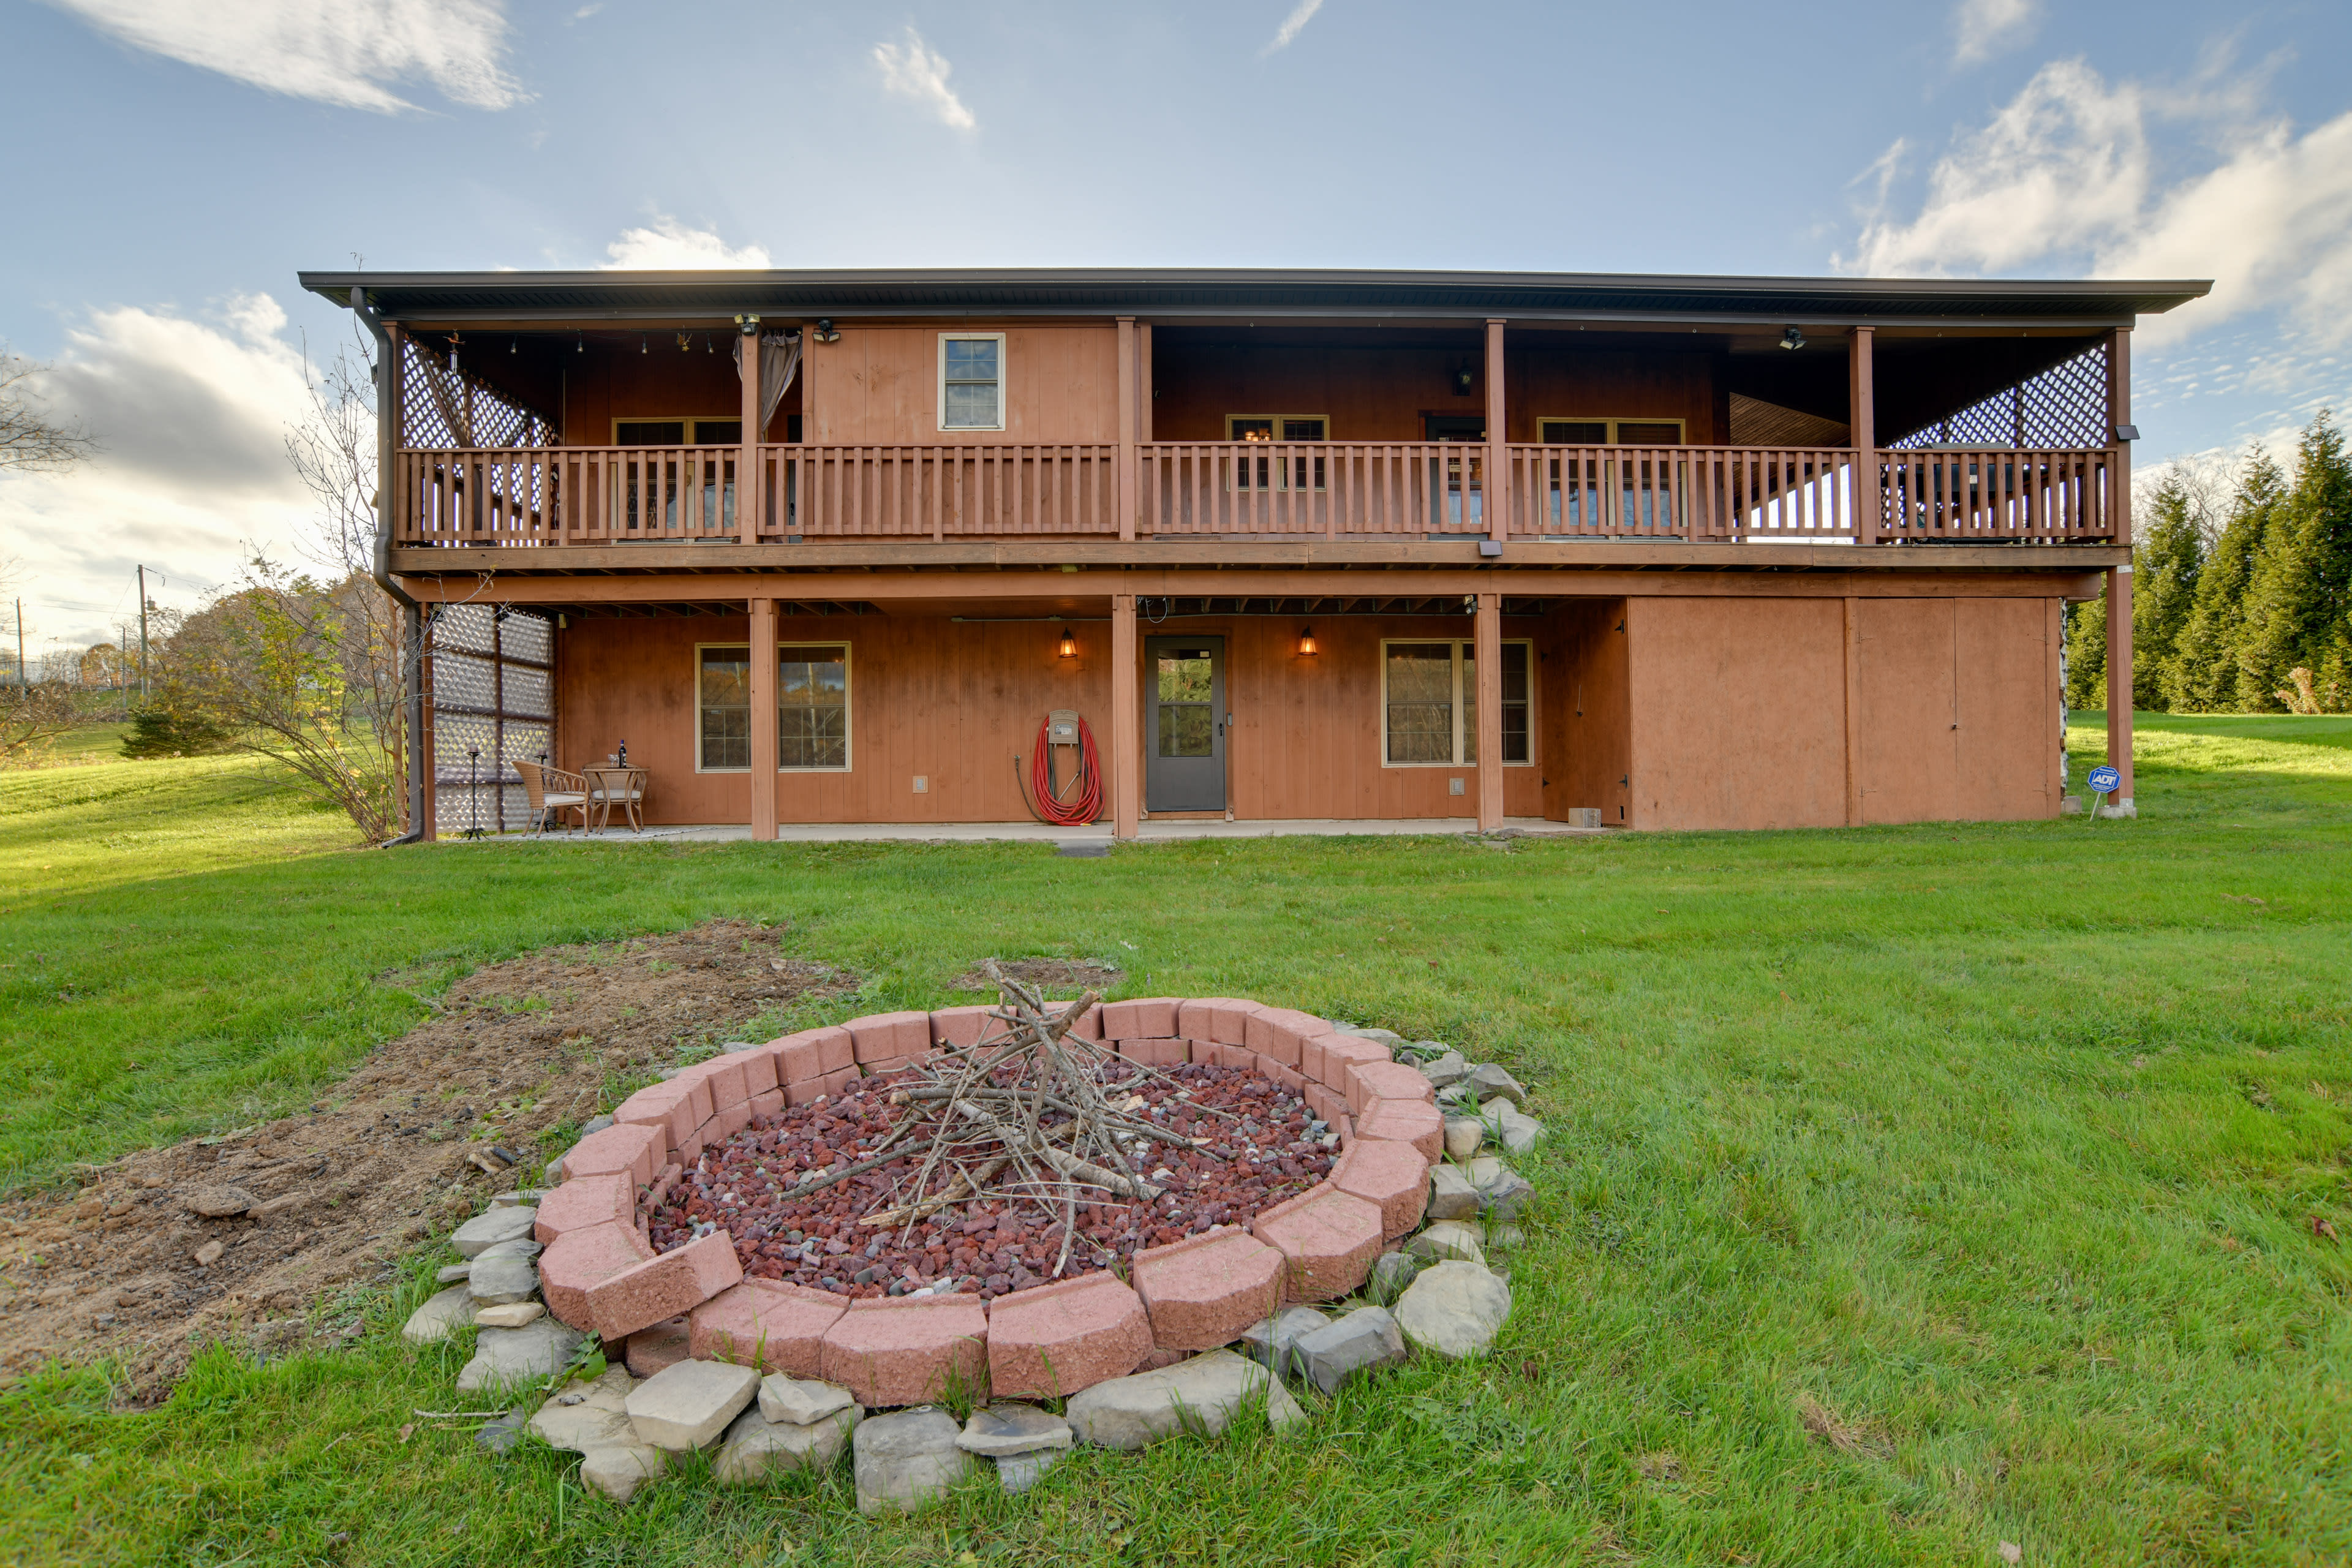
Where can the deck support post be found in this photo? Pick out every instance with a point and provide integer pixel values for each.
(1494, 490)
(1862, 421)
(1489, 647)
(747, 464)
(1125, 721)
(2119, 580)
(763, 721)
(1127, 427)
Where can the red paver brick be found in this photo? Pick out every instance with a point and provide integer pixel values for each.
(1223, 1019)
(578, 1260)
(907, 1349)
(1336, 1053)
(1392, 1175)
(678, 1107)
(1089, 1026)
(609, 1197)
(759, 1065)
(1143, 1018)
(1279, 1032)
(1055, 1339)
(1404, 1122)
(651, 1350)
(634, 1148)
(1328, 1239)
(768, 1104)
(1289, 1078)
(664, 1286)
(887, 1040)
(831, 1084)
(1217, 1053)
(961, 1026)
(767, 1326)
(726, 1123)
(1326, 1103)
(1203, 1291)
(1368, 1082)
(812, 1053)
(1157, 1053)
(724, 1078)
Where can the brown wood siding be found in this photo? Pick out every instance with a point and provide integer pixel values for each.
(880, 385)
(605, 381)
(1959, 716)
(1587, 717)
(1740, 712)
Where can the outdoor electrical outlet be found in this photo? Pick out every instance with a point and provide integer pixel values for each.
(1453, 786)
(922, 783)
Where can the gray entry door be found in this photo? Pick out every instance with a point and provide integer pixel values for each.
(1184, 734)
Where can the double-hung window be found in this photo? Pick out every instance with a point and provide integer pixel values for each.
(1259, 471)
(812, 707)
(1429, 703)
(972, 381)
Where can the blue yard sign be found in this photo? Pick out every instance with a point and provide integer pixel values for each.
(2105, 780)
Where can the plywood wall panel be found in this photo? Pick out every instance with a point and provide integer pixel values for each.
(1587, 723)
(1909, 710)
(879, 385)
(2007, 748)
(1738, 712)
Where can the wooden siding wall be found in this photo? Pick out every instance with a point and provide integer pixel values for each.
(1588, 722)
(1373, 393)
(607, 383)
(880, 385)
(957, 701)
(1739, 711)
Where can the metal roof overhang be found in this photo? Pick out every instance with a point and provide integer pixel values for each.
(1170, 294)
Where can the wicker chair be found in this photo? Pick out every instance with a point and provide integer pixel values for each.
(551, 791)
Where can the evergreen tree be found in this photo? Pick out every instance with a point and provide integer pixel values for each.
(2165, 562)
(2086, 654)
(2301, 584)
(2203, 676)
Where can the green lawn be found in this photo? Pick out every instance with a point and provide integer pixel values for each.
(1911, 1190)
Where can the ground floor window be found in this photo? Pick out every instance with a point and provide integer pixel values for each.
(812, 707)
(1429, 703)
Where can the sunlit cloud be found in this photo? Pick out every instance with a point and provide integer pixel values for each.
(668, 246)
(1983, 29)
(1292, 26)
(912, 69)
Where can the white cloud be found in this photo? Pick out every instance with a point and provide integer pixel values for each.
(343, 52)
(1292, 26)
(668, 246)
(192, 416)
(2065, 175)
(1983, 29)
(914, 71)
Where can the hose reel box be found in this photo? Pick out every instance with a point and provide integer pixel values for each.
(1062, 726)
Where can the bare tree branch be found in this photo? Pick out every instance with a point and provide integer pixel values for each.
(31, 440)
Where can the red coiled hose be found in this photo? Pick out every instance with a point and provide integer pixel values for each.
(1051, 808)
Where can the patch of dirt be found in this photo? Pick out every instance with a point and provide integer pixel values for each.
(128, 1267)
(1053, 976)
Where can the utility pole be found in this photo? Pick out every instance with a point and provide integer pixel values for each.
(23, 682)
(142, 635)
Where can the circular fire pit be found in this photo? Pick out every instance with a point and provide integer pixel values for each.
(1315, 1151)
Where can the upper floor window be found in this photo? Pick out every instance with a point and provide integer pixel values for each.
(1300, 472)
(972, 381)
(677, 432)
(1595, 430)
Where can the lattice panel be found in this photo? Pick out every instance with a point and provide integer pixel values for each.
(494, 690)
(443, 405)
(2064, 407)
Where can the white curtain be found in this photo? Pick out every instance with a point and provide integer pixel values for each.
(780, 361)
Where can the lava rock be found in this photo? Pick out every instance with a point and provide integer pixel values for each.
(1454, 1310)
(907, 1458)
(1202, 1395)
(1365, 1337)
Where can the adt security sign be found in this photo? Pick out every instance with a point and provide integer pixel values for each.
(2105, 780)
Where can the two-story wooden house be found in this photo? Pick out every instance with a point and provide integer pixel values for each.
(1643, 551)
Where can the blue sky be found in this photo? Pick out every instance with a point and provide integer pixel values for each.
(197, 156)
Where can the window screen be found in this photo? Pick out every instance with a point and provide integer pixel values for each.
(723, 707)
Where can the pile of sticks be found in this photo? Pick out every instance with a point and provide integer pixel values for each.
(1026, 1114)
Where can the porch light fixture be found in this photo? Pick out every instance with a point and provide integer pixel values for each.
(1462, 380)
(1794, 338)
(579, 343)
(1307, 642)
(825, 332)
(1069, 644)
(511, 344)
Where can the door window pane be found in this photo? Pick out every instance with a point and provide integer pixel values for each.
(812, 708)
(1186, 689)
(1514, 702)
(723, 702)
(1421, 703)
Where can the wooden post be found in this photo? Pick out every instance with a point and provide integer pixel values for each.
(1126, 418)
(763, 720)
(1489, 646)
(1492, 491)
(1125, 721)
(747, 474)
(1143, 381)
(2119, 580)
(1861, 418)
(427, 751)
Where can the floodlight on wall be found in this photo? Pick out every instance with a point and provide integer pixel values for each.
(748, 324)
(825, 332)
(1794, 338)
(1307, 642)
(1069, 648)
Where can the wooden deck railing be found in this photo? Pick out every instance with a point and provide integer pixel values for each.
(1402, 489)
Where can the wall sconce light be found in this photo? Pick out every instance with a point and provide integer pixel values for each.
(641, 343)
(1307, 642)
(1069, 644)
(510, 345)
(1462, 380)
(1794, 338)
(825, 332)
